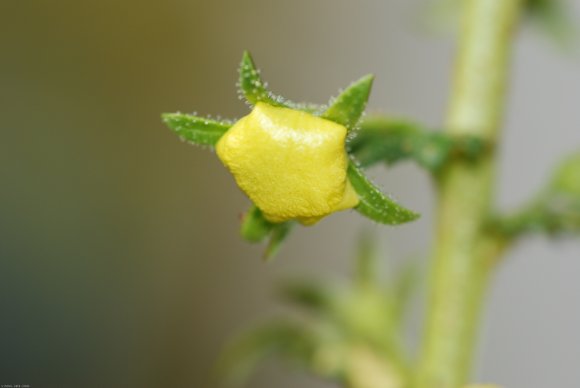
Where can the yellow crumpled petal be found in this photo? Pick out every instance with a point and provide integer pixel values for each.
(290, 163)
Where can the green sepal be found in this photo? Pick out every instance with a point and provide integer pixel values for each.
(255, 90)
(256, 228)
(279, 234)
(252, 86)
(348, 107)
(196, 130)
(374, 204)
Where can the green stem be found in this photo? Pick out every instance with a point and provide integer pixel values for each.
(463, 253)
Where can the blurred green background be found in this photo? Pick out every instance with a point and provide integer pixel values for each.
(120, 261)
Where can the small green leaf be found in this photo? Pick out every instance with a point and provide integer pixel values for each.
(381, 139)
(391, 141)
(252, 86)
(555, 211)
(279, 234)
(553, 17)
(349, 106)
(284, 340)
(255, 228)
(196, 130)
(374, 204)
(310, 295)
(567, 177)
(551, 216)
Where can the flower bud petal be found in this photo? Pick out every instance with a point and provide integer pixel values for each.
(291, 164)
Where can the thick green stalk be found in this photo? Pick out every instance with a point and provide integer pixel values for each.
(462, 255)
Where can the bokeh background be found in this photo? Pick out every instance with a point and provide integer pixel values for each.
(120, 261)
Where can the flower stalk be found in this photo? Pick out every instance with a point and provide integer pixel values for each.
(463, 253)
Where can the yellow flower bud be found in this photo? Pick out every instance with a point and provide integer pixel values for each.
(291, 164)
